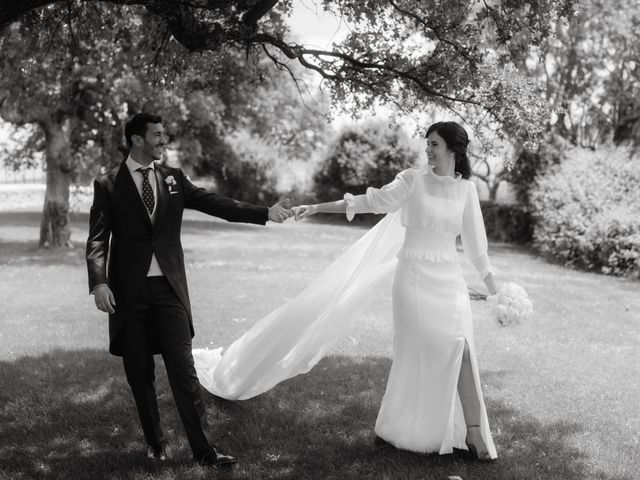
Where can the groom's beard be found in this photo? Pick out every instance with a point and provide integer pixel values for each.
(155, 152)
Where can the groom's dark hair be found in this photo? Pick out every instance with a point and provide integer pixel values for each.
(137, 125)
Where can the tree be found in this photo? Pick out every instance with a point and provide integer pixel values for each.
(590, 71)
(57, 81)
(240, 114)
(401, 52)
(94, 65)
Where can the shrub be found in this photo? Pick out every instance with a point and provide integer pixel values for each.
(587, 211)
(363, 155)
(252, 175)
(531, 164)
(507, 222)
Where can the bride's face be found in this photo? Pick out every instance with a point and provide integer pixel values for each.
(438, 153)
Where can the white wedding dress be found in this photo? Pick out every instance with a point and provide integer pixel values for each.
(421, 409)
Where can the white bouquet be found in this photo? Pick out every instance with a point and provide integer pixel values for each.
(511, 304)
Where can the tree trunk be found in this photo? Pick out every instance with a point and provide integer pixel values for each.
(493, 189)
(54, 228)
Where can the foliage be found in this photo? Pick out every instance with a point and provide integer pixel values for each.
(73, 80)
(48, 78)
(507, 222)
(587, 211)
(251, 173)
(532, 163)
(21, 147)
(363, 155)
(109, 61)
(589, 70)
(97, 63)
(238, 107)
(400, 53)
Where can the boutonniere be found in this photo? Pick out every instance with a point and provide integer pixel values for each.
(171, 183)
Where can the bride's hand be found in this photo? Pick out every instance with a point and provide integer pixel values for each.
(304, 211)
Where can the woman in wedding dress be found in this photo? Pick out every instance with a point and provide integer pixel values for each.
(433, 400)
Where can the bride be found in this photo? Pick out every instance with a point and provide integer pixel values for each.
(433, 400)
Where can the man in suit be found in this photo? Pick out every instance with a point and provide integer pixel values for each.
(134, 224)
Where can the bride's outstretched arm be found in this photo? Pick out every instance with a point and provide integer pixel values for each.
(339, 206)
(386, 199)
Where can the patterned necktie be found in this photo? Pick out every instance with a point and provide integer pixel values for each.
(147, 192)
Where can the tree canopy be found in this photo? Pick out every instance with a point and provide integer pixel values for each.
(78, 68)
(590, 68)
(399, 52)
(90, 66)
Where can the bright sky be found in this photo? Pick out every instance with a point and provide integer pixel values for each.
(314, 26)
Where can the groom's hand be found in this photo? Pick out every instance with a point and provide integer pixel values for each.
(278, 213)
(105, 301)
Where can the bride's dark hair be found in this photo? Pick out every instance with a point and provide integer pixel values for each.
(457, 140)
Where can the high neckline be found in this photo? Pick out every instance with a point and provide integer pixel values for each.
(442, 178)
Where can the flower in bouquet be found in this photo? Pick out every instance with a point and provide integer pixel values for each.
(511, 304)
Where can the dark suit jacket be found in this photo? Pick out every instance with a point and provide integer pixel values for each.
(120, 230)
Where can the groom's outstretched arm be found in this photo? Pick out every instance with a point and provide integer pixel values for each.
(229, 209)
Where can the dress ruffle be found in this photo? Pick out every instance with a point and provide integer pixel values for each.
(426, 256)
(351, 206)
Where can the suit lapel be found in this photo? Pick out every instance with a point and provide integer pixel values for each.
(125, 185)
(162, 194)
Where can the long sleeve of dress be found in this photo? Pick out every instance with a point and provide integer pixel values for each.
(388, 198)
(473, 234)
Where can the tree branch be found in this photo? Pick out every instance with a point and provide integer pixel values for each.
(259, 10)
(422, 22)
(296, 81)
(294, 51)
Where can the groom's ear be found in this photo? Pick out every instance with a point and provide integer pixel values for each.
(137, 140)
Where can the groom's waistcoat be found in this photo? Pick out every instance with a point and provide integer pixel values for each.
(121, 233)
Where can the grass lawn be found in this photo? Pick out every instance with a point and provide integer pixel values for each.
(562, 390)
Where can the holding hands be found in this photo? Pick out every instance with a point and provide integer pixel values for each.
(302, 211)
(278, 213)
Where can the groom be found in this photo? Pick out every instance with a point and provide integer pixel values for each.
(134, 225)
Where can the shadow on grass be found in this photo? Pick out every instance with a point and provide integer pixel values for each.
(69, 414)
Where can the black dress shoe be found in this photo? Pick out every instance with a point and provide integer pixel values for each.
(157, 453)
(215, 458)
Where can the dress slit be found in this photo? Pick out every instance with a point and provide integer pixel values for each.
(449, 439)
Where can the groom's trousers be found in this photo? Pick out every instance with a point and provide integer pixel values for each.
(159, 322)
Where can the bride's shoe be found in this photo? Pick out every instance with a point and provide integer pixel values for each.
(476, 445)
